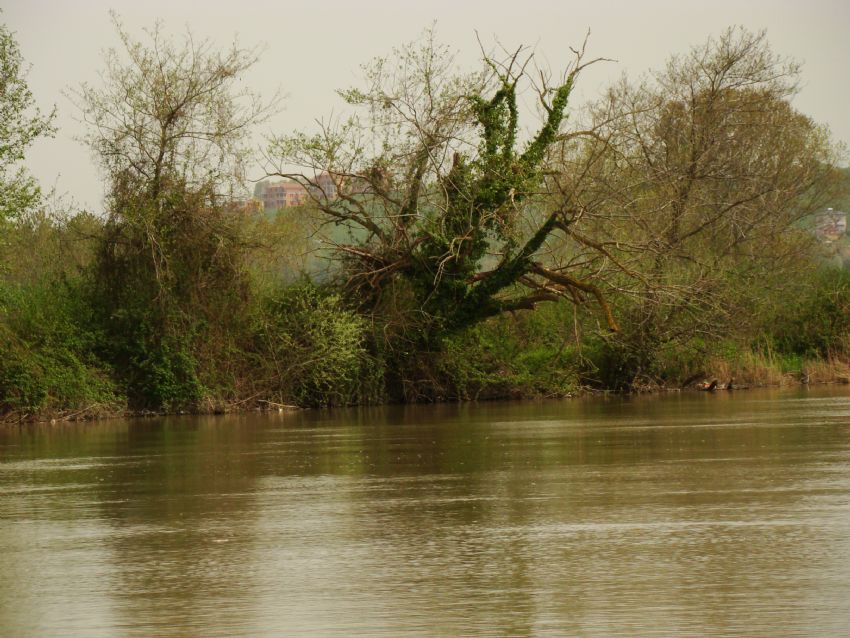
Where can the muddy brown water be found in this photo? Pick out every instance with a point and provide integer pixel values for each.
(689, 515)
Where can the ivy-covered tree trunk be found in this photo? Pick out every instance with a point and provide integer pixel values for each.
(451, 213)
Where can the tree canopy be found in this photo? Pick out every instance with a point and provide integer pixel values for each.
(687, 199)
(170, 126)
(662, 190)
(21, 123)
(441, 192)
(171, 111)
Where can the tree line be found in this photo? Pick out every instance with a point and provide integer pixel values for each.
(472, 247)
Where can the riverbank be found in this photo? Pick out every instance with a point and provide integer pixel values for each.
(752, 372)
(67, 354)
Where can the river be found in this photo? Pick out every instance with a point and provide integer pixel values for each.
(698, 514)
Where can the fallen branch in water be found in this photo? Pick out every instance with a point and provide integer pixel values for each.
(279, 406)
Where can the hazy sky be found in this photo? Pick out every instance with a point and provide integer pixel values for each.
(314, 48)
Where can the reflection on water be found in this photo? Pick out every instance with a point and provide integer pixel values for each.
(697, 515)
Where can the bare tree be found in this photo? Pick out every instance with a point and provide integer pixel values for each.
(685, 202)
(441, 195)
(170, 125)
(173, 111)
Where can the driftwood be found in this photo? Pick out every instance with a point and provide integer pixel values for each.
(279, 406)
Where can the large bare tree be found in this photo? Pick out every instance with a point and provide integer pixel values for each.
(665, 198)
(439, 190)
(685, 202)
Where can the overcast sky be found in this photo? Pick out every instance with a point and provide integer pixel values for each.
(315, 48)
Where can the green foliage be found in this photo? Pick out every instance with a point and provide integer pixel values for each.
(168, 287)
(156, 367)
(510, 356)
(448, 204)
(483, 194)
(47, 344)
(311, 350)
(446, 226)
(774, 333)
(690, 191)
(20, 125)
(843, 204)
(815, 322)
(619, 363)
(169, 284)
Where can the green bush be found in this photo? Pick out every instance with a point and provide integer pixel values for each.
(312, 350)
(169, 290)
(525, 355)
(47, 361)
(624, 361)
(150, 347)
(815, 322)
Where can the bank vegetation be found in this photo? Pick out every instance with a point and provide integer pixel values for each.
(470, 248)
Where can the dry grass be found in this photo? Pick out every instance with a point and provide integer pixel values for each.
(758, 369)
(750, 369)
(830, 370)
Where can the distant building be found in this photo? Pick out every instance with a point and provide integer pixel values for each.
(327, 185)
(288, 192)
(282, 194)
(830, 225)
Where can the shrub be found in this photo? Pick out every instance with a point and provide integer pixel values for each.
(511, 356)
(311, 350)
(815, 322)
(47, 362)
